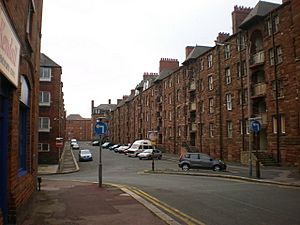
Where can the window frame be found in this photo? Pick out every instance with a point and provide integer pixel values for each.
(41, 124)
(45, 76)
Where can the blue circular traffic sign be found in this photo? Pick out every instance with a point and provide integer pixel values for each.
(100, 128)
(255, 126)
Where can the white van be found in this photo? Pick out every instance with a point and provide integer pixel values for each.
(139, 146)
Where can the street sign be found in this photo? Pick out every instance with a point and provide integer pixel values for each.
(255, 126)
(100, 128)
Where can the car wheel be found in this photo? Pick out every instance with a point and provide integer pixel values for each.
(140, 158)
(159, 157)
(216, 168)
(185, 167)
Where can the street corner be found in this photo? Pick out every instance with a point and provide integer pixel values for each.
(47, 169)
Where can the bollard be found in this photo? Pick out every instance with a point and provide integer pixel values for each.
(257, 169)
(39, 179)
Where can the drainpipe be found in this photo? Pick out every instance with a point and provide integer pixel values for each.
(220, 104)
(174, 116)
(242, 95)
(278, 119)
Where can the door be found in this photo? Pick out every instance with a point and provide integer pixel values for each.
(4, 105)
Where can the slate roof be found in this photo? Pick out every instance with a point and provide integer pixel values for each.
(196, 52)
(106, 107)
(76, 117)
(47, 62)
(261, 9)
(163, 74)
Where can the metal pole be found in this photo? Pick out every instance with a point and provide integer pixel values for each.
(100, 162)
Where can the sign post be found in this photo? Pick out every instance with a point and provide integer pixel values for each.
(101, 130)
(256, 127)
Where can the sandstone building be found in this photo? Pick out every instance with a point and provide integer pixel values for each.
(210, 102)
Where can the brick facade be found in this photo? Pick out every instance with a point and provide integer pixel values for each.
(78, 127)
(51, 111)
(210, 101)
(19, 105)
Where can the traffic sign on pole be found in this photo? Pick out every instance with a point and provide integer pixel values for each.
(100, 128)
(255, 126)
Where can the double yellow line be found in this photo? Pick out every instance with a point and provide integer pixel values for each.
(170, 211)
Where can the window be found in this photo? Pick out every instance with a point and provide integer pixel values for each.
(229, 102)
(241, 42)
(227, 76)
(227, 51)
(170, 116)
(201, 64)
(241, 69)
(211, 105)
(229, 129)
(45, 74)
(281, 123)
(43, 147)
(277, 56)
(246, 128)
(44, 98)
(44, 124)
(271, 56)
(23, 132)
(273, 25)
(210, 83)
(170, 99)
(178, 96)
(280, 88)
(31, 11)
(241, 99)
(211, 130)
(201, 106)
(209, 61)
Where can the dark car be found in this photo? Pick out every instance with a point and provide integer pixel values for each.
(106, 145)
(95, 143)
(200, 160)
(113, 147)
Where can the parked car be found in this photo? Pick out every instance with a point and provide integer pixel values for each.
(75, 146)
(85, 155)
(95, 143)
(73, 141)
(150, 154)
(138, 147)
(200, 160)
(106, 145)
(121, 148)
(113, 147)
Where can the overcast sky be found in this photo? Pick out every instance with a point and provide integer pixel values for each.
(105, 46)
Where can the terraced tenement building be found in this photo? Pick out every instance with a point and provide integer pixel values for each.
(210, 102)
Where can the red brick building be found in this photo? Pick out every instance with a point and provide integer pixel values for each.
(52, 115)
(20, 32)
(211, 101)
(78, 127)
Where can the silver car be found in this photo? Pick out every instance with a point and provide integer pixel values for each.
(150, 154)
(85, 155)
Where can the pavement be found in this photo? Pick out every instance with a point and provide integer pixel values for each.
(84, 203)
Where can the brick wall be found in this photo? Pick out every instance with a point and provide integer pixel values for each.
(21, 185)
